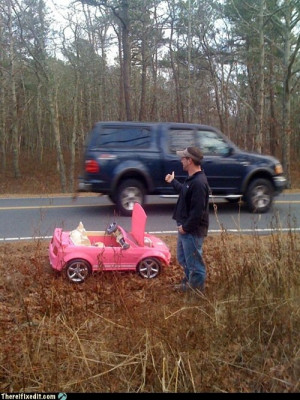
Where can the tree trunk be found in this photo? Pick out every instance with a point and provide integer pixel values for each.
(142, 113)
(273, 140)
(121, 99)
(74, 135)
(189, 49)
(126, 59)
(286, 105)
(176, 79)
(261, 80)
(14, 112)
(153, 109)
(53, 110)
(2, 108)
(39, 123)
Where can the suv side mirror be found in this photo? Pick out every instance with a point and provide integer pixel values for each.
(230, 151)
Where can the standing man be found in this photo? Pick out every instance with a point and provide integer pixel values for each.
(192, 217)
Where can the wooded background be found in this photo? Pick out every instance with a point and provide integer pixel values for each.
(233, 64)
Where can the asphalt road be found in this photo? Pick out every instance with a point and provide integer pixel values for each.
(36, 217)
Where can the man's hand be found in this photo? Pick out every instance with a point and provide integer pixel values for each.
(181, 230)
(169, 177)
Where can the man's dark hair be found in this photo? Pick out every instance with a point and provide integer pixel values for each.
(196, 153)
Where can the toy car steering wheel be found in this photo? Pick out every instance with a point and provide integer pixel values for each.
(111, 228)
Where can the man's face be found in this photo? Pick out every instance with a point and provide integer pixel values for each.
(185, 161)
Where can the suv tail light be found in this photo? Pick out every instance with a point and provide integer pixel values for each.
(91, 166)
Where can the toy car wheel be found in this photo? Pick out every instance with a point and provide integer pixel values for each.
(259, 196)
(77, 270)
(129, 192)
(149, 268)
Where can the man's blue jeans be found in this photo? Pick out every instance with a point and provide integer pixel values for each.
(189, 256)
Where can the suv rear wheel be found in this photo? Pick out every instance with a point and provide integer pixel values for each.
(259, 196)
(129, 192)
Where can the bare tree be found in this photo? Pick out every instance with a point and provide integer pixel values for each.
(2, 96)
(260, 78)
(277, 26)
(13, 94)
(290, 51)
(243, 77)
(120, 10)
(172, 11)
(37, 30)
(74, 56)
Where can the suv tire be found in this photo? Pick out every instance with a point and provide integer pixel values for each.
(259, 196)
(129, 192)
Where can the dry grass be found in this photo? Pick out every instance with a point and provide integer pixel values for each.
(120, 333)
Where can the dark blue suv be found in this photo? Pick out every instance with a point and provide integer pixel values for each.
(128, 160)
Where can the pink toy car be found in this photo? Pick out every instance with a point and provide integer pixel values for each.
(79, 252)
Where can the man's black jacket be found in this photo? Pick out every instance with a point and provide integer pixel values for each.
(192, 207)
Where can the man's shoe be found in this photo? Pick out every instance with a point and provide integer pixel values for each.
(182, 287)
(185, 287)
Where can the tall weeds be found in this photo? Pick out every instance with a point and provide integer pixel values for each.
(120, 333)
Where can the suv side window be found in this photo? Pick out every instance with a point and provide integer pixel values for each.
(124, 137)
(209, 142)
(180, 139)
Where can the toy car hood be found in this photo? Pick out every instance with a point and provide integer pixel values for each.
(138, 223)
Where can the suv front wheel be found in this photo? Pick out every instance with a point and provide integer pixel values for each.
(129, 192)
(259, 196)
